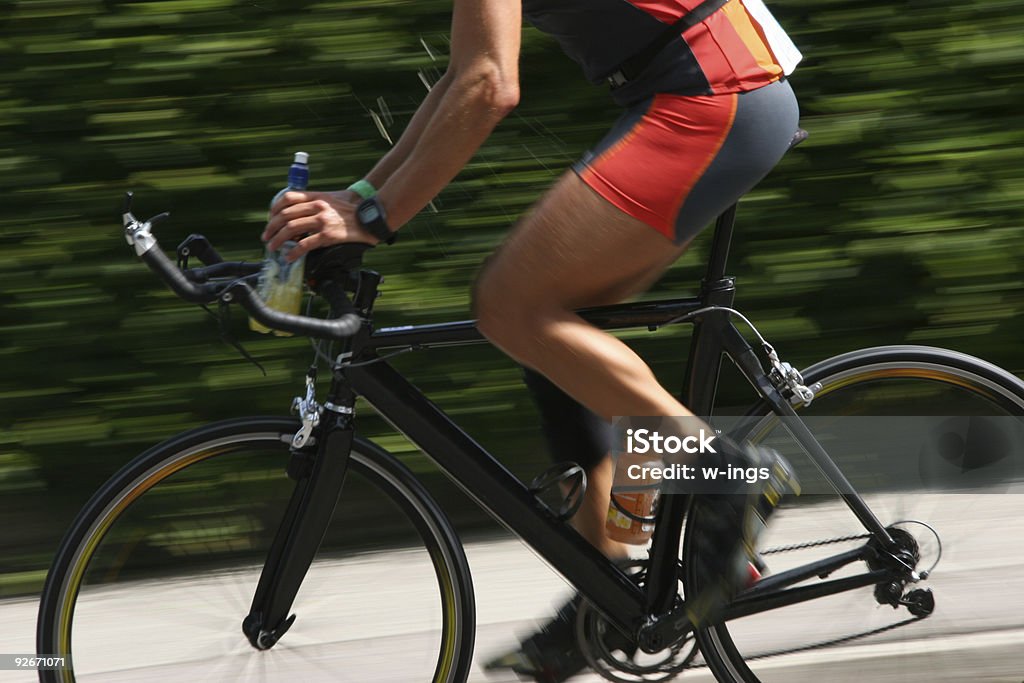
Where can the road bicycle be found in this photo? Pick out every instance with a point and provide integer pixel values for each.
(291, 548)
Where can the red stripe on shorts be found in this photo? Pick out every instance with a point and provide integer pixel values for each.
(650, 171)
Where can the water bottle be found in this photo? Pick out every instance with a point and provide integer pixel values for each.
(633, 500)
(280, 282)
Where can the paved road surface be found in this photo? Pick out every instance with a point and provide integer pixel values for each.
(978, 624)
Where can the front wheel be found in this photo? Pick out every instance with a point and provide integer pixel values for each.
(154, 578)
(962, 478)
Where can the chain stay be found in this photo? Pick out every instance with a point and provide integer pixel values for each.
(825, 643)
(833, 642)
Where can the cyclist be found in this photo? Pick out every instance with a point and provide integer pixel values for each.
(707, 113)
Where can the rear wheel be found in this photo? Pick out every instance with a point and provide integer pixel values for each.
(159, 569)
(962, 476)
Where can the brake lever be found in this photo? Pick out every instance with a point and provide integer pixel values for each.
(139, 234)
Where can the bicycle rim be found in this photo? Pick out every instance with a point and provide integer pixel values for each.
(974, 631)
(154, 581)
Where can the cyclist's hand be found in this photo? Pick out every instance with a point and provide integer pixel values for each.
(314, 220)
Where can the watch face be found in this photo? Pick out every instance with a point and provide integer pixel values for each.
(369, 214)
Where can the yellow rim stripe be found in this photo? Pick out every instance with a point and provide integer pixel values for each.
(78, 570)
(869, 375)
(922, 373)
(450, 619)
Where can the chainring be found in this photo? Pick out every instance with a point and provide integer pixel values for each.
(613, 663)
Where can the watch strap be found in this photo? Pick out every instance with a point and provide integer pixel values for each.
(364, 188)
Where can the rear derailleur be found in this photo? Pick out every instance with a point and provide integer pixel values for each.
(903, 560)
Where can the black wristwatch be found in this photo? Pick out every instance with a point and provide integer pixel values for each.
(370, 215)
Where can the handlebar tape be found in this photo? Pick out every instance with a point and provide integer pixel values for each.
(335, 328)
(346, 324)
(158, 262)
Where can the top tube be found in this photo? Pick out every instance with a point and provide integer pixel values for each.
(649, 314)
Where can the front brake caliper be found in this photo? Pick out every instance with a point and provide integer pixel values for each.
(308, 410)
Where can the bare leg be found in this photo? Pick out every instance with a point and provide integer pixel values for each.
(577, 250)
(590, 518)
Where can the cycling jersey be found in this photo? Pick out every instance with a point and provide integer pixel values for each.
(740, 47)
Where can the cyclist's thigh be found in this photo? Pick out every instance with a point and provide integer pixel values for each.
(574, 249)
(664, 171)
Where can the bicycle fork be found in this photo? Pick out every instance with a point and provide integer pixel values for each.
(319, 480)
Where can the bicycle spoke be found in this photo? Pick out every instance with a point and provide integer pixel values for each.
(165, 589)
(975, 515)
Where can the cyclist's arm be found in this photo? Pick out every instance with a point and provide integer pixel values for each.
(386, 167)
(479, 89)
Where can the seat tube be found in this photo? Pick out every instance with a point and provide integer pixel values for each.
(705, 362)
(700, 385)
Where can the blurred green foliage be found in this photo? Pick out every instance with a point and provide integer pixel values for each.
(898, 221)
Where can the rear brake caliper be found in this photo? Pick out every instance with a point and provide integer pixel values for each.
(788, 379)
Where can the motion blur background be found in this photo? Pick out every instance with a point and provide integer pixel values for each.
(899, 221)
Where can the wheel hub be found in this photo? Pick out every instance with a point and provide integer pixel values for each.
(261, 638)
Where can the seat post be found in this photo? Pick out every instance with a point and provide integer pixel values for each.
(720, 246)
(723, 232)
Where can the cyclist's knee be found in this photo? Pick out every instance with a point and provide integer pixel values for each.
(501, 310)
(500, 318)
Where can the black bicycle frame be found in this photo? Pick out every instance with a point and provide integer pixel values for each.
(653, 610)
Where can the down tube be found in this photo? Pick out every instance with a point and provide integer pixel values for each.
(498, 491)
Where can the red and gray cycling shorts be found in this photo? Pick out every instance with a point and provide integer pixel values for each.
(675, 162)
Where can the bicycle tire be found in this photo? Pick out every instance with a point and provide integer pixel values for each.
(217, 545)
(754, 649)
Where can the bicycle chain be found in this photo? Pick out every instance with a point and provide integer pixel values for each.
(812, 544)
(825, 643)
(688, 664)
